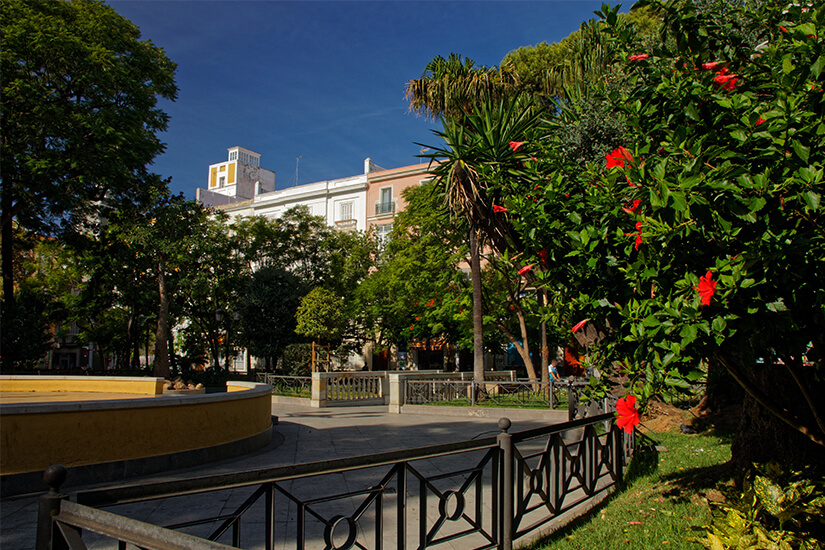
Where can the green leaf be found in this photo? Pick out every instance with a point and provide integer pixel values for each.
(812, 199)
(651, 321)
(802, 151)
(816, 67)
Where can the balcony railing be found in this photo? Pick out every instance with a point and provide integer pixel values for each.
(346, 225)
(382, 208)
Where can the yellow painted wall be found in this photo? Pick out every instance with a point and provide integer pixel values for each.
(213, 177)
(106, 384)
(231, 179)
(33, 442)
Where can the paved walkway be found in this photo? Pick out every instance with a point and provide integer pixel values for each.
(302, 435)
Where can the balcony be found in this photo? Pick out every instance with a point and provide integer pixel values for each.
(346, 225)
(382, 208)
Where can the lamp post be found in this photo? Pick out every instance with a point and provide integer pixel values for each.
(219, 316)
(219, 319)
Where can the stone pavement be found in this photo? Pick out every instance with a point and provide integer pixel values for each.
(302, 435)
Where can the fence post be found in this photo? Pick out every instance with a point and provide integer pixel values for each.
(473, 393)
(320, 387)
(49, 506)
(505, 443)
(572, 403)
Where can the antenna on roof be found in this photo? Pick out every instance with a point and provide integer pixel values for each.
(298, 158)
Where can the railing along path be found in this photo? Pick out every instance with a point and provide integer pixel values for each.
(484, 493)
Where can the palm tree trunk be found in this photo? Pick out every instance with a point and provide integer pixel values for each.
(478, 320)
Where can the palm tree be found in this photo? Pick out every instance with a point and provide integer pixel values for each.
(451, 86)
(475, 162)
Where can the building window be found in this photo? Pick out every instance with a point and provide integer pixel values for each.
(345, 211)
(221, 181)
(233, 155)
(385, 204)
(382, 233)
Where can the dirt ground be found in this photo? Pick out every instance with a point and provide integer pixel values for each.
(662, 417)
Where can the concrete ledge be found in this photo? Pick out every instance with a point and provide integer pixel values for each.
(108, 384)
(286, 400)
(494, 413)
(32, 482)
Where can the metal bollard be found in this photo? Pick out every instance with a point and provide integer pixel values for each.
(49, 506)
(505, 443)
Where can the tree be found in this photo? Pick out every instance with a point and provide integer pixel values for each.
(212, 271)
(449, 88)
(267, 313)
(159, 242)
(700, 239)
(480, 153)
(579, 61)
(418, 290)
(321, 315)
(80, 117)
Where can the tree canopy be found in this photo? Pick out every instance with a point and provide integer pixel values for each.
(80, 117)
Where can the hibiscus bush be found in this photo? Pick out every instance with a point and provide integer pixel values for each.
(699, 237)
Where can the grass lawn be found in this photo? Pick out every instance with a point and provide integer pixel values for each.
(520, 401)
(292, 392)
(666, 495)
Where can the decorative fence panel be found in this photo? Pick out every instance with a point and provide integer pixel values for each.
(290, 386)
(518, 393)
(485, 493)
(355, 387)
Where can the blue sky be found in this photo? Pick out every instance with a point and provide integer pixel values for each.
(323, 80)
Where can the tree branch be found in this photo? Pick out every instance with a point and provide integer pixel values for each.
(792, 365)
(782, 414)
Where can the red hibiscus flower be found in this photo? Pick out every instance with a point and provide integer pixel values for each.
(498, 209)
(626, 414)
(634, 206)
(579, 325)
(516, 144)
(639, 57)
(711, 65)
(431, 302)
(760, 121)
(525, 270)
(618, 157)
(638, 234)
(726, 79)
(706, 288)
(543, 254)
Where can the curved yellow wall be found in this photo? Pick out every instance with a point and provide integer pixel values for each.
(79, 433)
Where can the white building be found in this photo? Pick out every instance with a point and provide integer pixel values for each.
(249, 190)
(238, 178)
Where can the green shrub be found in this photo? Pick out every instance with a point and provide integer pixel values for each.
(777, 510)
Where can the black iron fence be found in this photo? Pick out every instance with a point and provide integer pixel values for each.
(487, 492)
(291, 386)
(507, 393)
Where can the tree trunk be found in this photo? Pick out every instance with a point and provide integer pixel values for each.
(762, 436)
(478, 319)
(7, 253)
(545, 351)
(161, 340)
